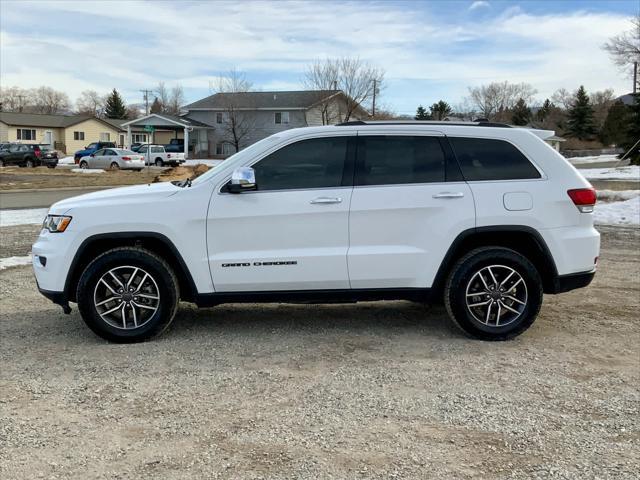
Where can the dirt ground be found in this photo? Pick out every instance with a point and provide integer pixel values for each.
(14, 178)
(369, 390)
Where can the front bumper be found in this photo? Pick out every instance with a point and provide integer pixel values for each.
(59, 298)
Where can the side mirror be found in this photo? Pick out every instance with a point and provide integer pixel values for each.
(243, 179)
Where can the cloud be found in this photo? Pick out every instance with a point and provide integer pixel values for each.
(427, 55)
(479, 4)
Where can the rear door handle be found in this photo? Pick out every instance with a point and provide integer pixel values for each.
(449, 195)
(321, 200)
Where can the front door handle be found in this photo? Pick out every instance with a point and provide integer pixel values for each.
(449, 195)
(321, 200)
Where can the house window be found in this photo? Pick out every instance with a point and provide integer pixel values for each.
(78, 135)
(25, 134)
(219, 117)
(105, 137)
(139, 138)
(224, 149)
(282, 117)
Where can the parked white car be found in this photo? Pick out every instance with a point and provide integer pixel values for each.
(481, 217)
(113, 159)
(156, 155)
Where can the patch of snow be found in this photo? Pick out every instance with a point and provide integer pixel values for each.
(621, 173)
(203, 161)
(594, 159)
(87, 170)
(66, 161)
(26, 216)
(618, 213)
(616, 195)
(14, 262)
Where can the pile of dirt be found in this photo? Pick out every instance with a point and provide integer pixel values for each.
(181, 173)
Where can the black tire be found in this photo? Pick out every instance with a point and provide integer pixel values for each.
(157, 268)
(1, 163)
(460, 281)
(84, 164)
(159, 162)
(29, 163)
(114, 166)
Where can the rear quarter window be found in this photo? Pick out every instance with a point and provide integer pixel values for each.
(490, 159)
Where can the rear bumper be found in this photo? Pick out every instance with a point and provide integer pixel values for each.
(566, 283)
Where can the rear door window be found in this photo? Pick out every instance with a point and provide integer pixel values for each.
(489, 159)
(390, 159)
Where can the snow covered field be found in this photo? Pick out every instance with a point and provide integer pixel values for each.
(204, 161)
(595, 159)
(631, 172)
(28, 216)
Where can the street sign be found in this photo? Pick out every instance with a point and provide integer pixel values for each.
(149, 128)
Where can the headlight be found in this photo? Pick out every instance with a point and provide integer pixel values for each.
(56, 223)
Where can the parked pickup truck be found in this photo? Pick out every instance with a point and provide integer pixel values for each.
(176, 145)
(158, 156)
(92, 148)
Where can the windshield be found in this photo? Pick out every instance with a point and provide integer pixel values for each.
(247, 152)
(125, 152)
(92, 145)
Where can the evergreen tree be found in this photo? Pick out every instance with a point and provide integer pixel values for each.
(114, 106)
(421, 113)
(544, 111)
(580, 122)
(614, 130)
(156, 106)
(440, 110)
(521, 113)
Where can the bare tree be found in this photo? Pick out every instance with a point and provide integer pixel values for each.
(176, 100)
(563, 98)
(90, 102)
(323, 76)
(48, 100)
(135, 110)
(236, 125)
(601, 103)
(497, 99)
(163, 95)
(357, 79)
(624, 49)
(15, 99)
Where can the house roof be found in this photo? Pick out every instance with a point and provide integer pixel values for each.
(41, 120)
(290, 100)
(147, 120)
(627, 99)
(53, 121)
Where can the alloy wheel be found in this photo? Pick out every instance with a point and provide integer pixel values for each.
(496, 295)
(126, 297)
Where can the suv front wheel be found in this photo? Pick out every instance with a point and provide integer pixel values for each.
(128, 295)
(493, 293)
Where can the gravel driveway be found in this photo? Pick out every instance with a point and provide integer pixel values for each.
(370, 390)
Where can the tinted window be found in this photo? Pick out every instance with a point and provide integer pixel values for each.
(385, 160)
(314, 163)
(487, 159)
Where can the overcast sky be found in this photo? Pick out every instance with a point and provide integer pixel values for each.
(430, 50)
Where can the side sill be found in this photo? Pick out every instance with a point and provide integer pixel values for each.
(566, 283)
(315, 296)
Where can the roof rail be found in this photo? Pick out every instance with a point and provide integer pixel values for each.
(481, 123)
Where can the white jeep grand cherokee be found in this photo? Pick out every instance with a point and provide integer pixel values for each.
(485, 217)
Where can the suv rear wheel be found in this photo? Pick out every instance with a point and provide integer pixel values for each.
(128, 295)
(29, 163)
(493, 293)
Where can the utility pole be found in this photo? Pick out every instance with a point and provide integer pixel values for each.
(373, 106)
(21, 104)
(146, 100)
(635, 77)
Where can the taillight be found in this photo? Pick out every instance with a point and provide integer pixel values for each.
(38, 153)
(168, 155)
(583, 198)
(126, 158)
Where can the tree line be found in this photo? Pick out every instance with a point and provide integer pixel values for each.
(46, 100)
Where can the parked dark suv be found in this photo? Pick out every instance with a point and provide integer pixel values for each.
(21, 155)
(49, 156)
